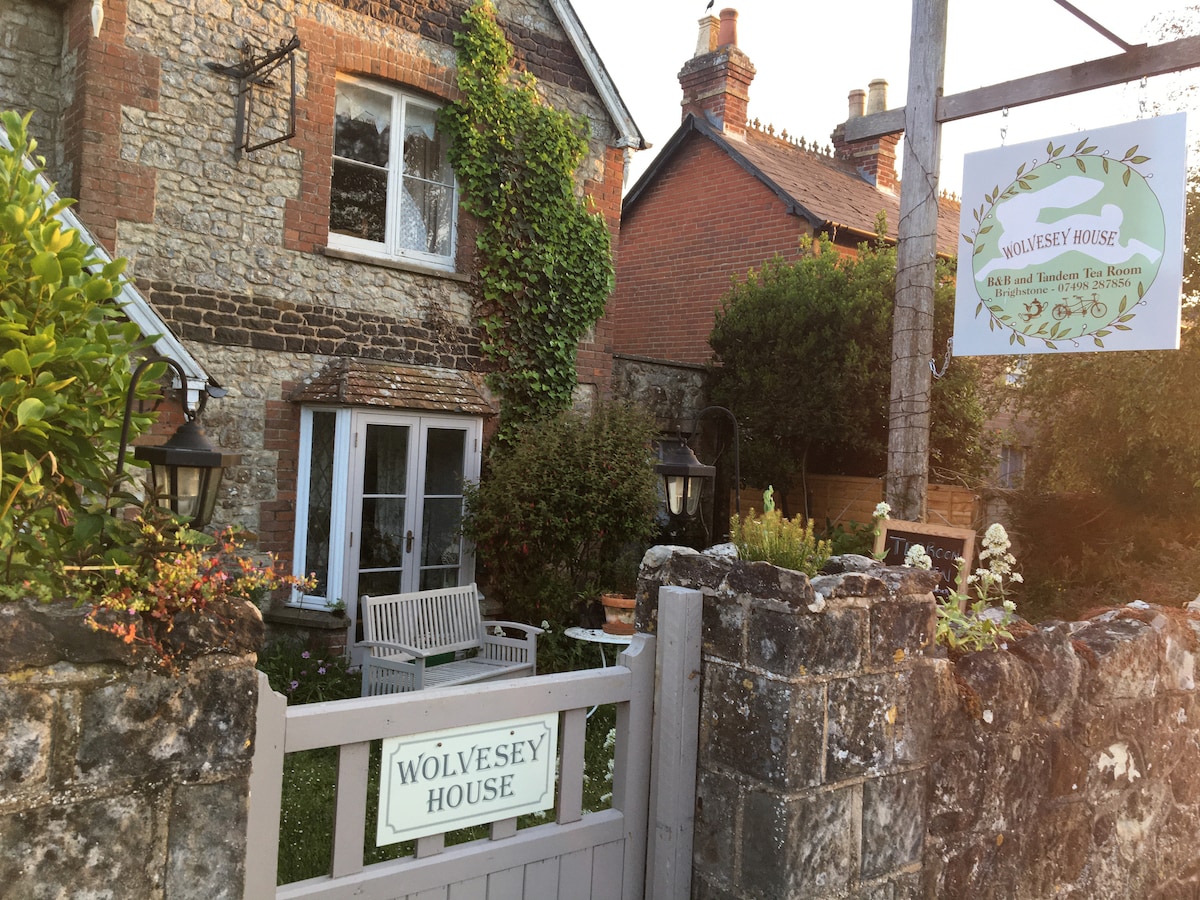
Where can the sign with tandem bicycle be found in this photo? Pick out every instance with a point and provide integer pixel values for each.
(1074, 243)
(443, 781)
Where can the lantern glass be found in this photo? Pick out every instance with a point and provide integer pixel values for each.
(694, 490)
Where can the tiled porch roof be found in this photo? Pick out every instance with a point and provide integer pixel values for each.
(359, 382)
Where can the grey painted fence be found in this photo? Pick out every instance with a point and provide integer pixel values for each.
(593, 856)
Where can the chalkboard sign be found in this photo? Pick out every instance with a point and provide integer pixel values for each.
(943, 544)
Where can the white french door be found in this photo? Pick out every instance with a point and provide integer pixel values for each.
(379, 509)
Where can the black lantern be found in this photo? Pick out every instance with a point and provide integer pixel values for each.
(185, 472)
(683, 478)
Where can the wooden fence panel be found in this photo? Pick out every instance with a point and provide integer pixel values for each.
(595, 856)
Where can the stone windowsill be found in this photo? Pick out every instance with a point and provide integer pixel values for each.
(400, 264)
(296, 617)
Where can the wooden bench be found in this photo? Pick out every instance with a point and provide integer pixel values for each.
(402, 631)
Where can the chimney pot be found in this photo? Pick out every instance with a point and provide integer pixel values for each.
(707, 41)
(877, 96)
(728, 33)
(858, 99)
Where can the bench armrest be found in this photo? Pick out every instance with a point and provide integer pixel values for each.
(403, 648)
(520, 626)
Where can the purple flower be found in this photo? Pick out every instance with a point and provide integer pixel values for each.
(304, 655)
(321, 671)
(293, 685)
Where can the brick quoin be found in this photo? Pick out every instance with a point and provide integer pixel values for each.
(108, 76)
(594, 363)
(681, 269)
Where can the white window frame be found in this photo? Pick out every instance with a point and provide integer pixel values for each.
(346, 501)
(389, 248)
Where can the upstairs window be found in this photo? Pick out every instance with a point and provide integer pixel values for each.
(392, 193)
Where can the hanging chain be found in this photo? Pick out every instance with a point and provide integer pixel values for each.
(938, 373)
(1142, 102)
(1004, 126)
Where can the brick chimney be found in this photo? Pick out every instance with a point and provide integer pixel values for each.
(716, 81)
(875, 158)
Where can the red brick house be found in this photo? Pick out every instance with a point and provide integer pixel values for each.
(324, 277)
(723, 196)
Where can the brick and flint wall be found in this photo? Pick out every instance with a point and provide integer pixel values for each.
(841, 756)
(230, 251)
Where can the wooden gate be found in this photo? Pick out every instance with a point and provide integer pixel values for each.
(613, 854)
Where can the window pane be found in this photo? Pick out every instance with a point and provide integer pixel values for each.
(375, 583)
(363, 124)
(426, 151)
(382, 533)
(426, 215)
(433, 579)
(385, 460)
(358, 201)
(442, 527)
(444, 461)
(320, 501)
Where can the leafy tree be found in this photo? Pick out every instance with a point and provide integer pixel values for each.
(1122, 425)
(802, 357)
(64, 372)
(562, 506)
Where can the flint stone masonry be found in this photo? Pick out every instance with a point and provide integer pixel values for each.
(842, 755)
(232, 252)
(117, 780)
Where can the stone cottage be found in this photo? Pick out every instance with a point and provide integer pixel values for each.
(274, 172)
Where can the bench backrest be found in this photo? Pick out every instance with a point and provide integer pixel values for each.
(444, 619)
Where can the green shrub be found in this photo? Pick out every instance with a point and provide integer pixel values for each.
(65, 351)
(562, 507)
(788, 543)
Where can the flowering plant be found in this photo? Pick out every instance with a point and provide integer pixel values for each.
(787, 543)
(173, 569)
(917, 557)
(966, 624)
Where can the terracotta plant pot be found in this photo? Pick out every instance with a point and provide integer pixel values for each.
(618, 613)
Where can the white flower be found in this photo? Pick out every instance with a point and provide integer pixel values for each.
(1009, 605)
(917, 558)
(882, 510)
(996, 536)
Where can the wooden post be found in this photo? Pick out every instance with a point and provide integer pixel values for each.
(266, 792)
(912, 325)
(676, 730)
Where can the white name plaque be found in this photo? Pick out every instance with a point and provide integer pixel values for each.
(443, 781)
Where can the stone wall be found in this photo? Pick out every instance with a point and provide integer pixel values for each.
(842, 756)
(117, 780)
(31, 75)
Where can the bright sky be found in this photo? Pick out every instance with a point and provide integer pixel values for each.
(810, 55)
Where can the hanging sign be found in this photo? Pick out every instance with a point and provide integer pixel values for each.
(1074, 243)
(443, 781)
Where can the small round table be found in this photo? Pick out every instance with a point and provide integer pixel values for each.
(600, 637)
